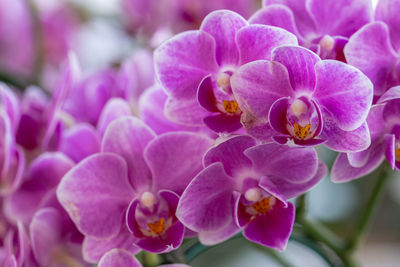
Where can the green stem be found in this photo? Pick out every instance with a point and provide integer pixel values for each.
(369, 211)
(301, 207)
(316, 231)
(319, 233)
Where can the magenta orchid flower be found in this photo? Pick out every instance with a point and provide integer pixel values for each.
(12, 158)
(55, 241)
(374, 49)
(136, 75)
(139, 177)
(384, 124)
(195, 68)
(297, 98)
(16, 249)
(245, 186)
(151, 111)
(42, 177)
(324, 27)
(42, 117)
(87, 98)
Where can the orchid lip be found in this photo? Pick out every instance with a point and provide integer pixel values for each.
(301, 116)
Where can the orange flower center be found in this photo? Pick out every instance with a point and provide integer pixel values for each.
(230, 106)
(157, 227)
(264, 205)
(302, 132)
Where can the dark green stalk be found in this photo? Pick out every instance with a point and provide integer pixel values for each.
(369, 211)
(301, 207)
(319, 233)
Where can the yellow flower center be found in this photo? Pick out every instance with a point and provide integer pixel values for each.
(300, 131)
(264, 205)
(230, 106)
(157, 227)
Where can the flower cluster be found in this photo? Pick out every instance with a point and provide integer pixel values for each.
(211, 134)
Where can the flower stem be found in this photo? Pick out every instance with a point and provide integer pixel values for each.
(369, 211)
(319, 233)
(301, 207)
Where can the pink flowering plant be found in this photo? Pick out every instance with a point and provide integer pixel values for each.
(213, 126)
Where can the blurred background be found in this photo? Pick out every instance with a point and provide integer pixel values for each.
(104, 33)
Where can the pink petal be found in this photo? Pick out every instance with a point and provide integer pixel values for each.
(174, 166)
(278, 16)
(183, 61)
(295, 165)
(340, 17)
(186, 112)
(290, 190)
(345, 92)
(93, 249)
(303, 19)
(230, 154)
(45, 231)
(80, 141)
(223, 25)
(258, 84)
(206, 204)
(128, 137)
(151, 109)
(345, 141)
(374, 56)
(102, 175)
(114, 109)
(119, 257)
(342, 171)
(299, 63)
(386, 11)
(257, 41)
